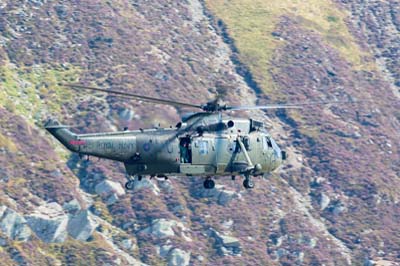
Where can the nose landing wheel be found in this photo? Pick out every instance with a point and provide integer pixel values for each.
(130, 185)
(248, 182)
(209, 183)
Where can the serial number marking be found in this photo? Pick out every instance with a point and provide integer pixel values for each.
(126, 146)
(115, 146)
(105, 145)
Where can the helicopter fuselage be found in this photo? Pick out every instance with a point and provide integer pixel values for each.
(200, 145)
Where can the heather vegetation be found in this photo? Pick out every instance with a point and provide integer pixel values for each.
(335, 202)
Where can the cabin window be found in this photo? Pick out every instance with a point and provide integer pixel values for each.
(203, 147)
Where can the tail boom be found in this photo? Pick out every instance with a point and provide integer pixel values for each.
(114, 146)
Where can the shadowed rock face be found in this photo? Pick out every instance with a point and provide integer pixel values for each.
(334, 203)
(13, 225)
(49, 223)
(82, 226)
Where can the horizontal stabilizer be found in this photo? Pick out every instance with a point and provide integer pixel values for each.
(52, 123)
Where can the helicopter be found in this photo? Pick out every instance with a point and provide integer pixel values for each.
(207, 143)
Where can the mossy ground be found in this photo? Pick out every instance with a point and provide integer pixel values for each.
(251, 24)
(34, 92)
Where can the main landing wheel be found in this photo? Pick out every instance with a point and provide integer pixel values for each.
(248, 183)
(209, 184)
(130, 185)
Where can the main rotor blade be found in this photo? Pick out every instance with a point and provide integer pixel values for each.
(137, 96)
(290, 105)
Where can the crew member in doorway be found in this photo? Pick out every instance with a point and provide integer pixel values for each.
(184, 147)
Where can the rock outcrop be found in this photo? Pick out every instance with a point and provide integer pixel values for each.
(82, 225)
(178, 257)
(220, 194)
(72, 207)
(146, 183)
(110, 190)
(226, 245)
(49, 222)
(13, 225)
(163, 228)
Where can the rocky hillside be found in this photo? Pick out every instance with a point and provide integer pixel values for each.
(336, 201)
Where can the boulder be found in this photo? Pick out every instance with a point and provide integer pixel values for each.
(163, 228)
(127, 244)
(281, 252)
(111, 190)
(163, 250)
(226, 245)
(112, 199)
(324, 201)
(220, 194)
(225, 196)
(107, 187)
(166, 185)
(227, 224)
(339, 208)
(72, 207)
(13, 225)
(179, 257)
(49, 222)
(126, 114)
(82, 225)
(146, 183)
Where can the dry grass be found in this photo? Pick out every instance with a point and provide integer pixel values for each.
(7, 143)
(251, 23)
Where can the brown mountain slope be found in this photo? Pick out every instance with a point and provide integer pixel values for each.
(334, 203)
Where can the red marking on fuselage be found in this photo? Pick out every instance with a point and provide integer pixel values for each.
(77, 142)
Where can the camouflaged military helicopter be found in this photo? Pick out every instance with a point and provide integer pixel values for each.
(208, 143)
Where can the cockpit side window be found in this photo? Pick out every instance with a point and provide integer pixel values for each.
(267, 144)
(277, 150)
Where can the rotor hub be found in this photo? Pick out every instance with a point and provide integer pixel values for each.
(214, 106)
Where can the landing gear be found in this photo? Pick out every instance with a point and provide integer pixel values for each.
(209, 183)
(162, 177)
(248, 182)
(130, 184)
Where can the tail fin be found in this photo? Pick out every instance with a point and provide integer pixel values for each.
(61, 132)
